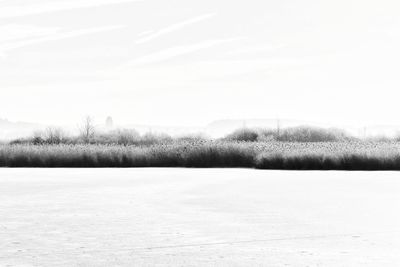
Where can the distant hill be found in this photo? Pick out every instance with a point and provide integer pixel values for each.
(171, 130)
(223, 127)
(11, 130)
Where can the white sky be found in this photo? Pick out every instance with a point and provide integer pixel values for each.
(190, 62)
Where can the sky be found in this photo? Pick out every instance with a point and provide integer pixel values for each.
(185, 62)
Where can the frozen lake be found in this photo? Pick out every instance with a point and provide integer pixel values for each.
(198, 217)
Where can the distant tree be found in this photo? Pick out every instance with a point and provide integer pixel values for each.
(87, 129)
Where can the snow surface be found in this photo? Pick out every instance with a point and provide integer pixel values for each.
(198, 217)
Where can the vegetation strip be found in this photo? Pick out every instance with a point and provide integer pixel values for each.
(209, 154)
(300, 148)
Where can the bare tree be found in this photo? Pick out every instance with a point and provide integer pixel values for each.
(87, 129)
(54, 135)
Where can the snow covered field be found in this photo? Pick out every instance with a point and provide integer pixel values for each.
(198, 217)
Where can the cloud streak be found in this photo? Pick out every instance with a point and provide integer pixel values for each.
(176, 51)
(15, 32)
(54, 37)
(175, 27)
(254, 49)
(7, 11)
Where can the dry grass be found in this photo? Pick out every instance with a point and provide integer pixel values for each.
(263, 155)
(184, 154)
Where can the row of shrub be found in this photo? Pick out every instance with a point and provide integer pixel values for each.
(186, 154)
(56, 136)
(314, 161)
(209, 154)
(132, 137)
(294, 134)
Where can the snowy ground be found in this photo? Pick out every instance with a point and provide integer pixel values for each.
(198, 217)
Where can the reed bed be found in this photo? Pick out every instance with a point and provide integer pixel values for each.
(360, 155)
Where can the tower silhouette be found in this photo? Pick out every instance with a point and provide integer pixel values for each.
(109, 122)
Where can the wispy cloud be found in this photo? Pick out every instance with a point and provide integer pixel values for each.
(175, 27)
(15, 32)
(145, 33)
(53, 37)
(10, 11)
(254, 49)
(176, 51)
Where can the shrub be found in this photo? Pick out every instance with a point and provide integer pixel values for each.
(294, 134)
(312, 134)
(246, 135)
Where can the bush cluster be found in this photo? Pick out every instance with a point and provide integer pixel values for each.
(294, 134)
(299, 148)
(184, 154)
(208, 154)
(56, 136)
